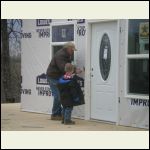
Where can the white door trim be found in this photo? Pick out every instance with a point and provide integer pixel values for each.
(88, 66)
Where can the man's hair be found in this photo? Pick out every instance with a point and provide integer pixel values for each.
(69, 44)
(69, 67)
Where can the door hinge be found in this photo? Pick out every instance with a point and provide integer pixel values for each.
(121, 30)
(119, 100)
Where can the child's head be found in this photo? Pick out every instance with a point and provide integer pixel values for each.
(69, 68)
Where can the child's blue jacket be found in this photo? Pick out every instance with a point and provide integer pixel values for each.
(70, 91)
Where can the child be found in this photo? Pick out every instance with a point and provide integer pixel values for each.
(70, 93)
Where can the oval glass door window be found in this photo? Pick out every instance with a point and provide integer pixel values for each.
(105, 56)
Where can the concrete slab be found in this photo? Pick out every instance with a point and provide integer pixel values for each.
(13, 119)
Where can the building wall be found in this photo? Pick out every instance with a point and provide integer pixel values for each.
(36, 55)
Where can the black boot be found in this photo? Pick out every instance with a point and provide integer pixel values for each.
(56, 117)
(69, 122)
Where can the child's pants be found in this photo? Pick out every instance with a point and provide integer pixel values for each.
(67, 113)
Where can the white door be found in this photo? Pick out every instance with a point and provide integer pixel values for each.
(104, 66)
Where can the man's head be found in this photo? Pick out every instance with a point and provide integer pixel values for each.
(70, 47)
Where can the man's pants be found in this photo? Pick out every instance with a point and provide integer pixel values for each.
(57, 109)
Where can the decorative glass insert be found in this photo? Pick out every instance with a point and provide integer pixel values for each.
(105, 56)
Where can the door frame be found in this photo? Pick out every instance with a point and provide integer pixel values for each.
(88, 66)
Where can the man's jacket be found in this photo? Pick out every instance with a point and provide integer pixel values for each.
(56, 67)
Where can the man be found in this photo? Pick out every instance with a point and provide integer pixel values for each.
(55, 70)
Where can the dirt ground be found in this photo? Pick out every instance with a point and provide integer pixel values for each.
(13, 119)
